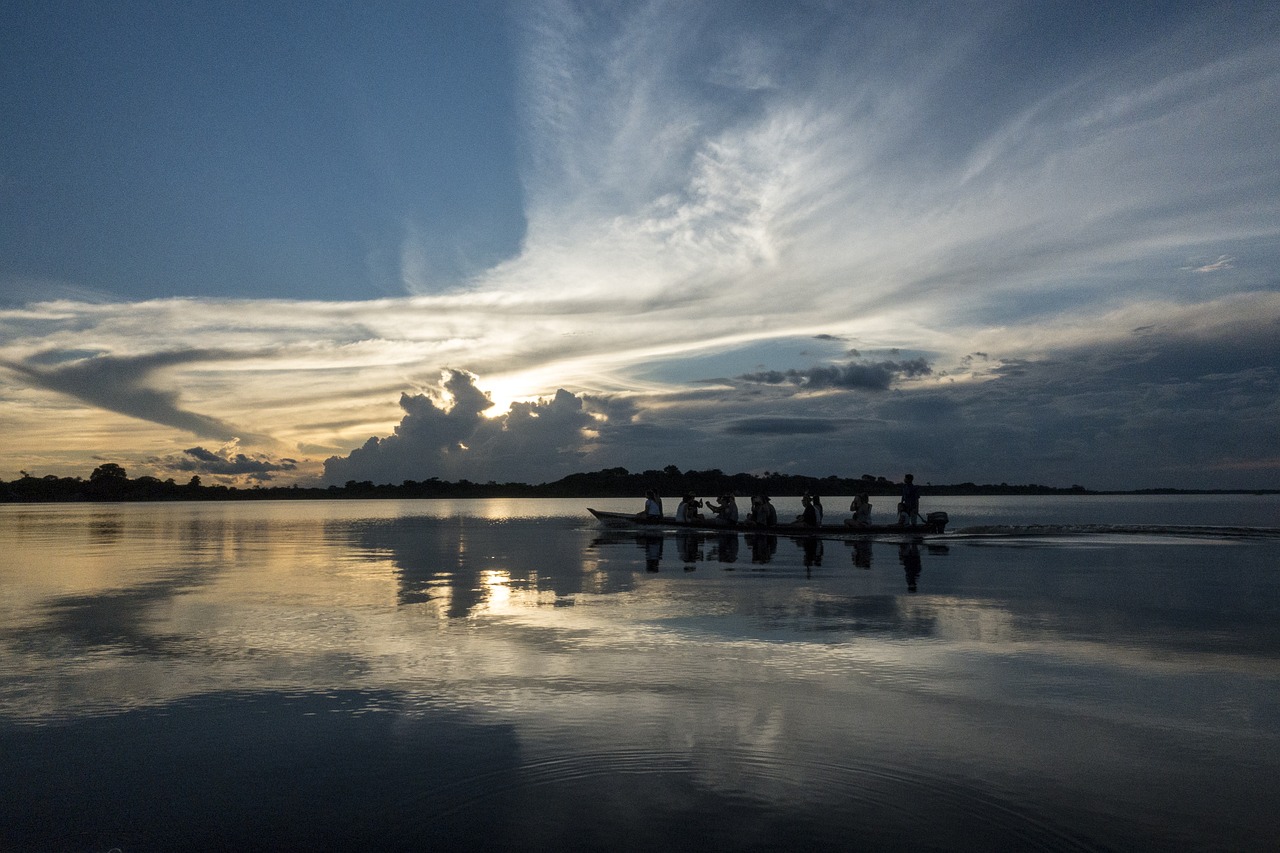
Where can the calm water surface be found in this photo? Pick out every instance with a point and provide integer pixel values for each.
(499, 674)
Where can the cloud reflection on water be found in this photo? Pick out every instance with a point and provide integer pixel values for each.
(1005, 671)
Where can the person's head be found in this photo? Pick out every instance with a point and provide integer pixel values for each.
(908, 478)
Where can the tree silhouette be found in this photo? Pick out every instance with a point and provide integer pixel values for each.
(107, 472)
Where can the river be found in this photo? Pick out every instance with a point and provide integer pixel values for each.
(507, 674)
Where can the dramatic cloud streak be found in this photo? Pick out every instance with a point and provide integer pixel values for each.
(124, 385)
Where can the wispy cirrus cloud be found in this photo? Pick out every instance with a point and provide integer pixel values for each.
(1223, 262)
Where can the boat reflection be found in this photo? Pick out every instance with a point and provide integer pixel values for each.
(450, 565)
(702, 546)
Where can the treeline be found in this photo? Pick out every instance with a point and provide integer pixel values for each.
(110, 482)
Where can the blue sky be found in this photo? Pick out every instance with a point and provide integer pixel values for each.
(1025, 242)
(258, 149)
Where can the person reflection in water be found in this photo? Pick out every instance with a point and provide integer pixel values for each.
(726, 550)
(812, 546)
(690, 547)
(861, 553)
(652, 552)
(763, 546)
(909, 555)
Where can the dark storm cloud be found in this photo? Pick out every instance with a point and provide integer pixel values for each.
(199, 460)
(534, 440)
(123, 385)
(1168, 408)
(878, 376)
(781, 426)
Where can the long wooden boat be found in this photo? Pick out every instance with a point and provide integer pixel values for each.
(934, 523)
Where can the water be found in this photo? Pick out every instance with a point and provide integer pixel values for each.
(498, 674)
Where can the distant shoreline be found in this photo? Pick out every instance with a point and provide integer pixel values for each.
(109, 483)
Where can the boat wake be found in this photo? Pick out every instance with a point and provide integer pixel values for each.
(1002, 531)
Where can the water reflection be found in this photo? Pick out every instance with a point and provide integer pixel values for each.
(909, 556)
(861, 552)
(473, 679)
(698, 546)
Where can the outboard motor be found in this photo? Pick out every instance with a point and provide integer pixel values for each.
(937, 520)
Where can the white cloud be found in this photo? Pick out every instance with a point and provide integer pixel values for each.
(1224, 262)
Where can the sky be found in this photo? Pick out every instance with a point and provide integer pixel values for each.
(279, 242)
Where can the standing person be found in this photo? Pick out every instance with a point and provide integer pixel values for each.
(911, 498)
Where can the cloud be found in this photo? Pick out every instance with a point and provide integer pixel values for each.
(452, 440)
(864, 376)
(780, 426)
(700, 183)
(124, 385)
(227, 463)
(1224, 262)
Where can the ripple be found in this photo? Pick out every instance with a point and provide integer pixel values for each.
(1157, 532)
(821, 800)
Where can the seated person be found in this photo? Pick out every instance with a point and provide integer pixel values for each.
(726, 510)
(808, 518)
(762, 512)
(861, 509)
(688, 509)
(652, 506)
